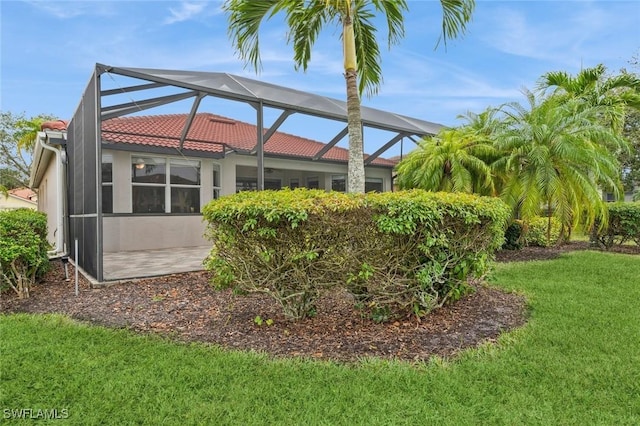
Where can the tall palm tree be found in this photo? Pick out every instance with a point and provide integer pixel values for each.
(556, 155)
(361, 53)
(455, 160)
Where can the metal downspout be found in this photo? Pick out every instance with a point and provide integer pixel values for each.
(58, 248)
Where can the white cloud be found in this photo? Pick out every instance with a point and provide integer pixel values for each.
(188, 10)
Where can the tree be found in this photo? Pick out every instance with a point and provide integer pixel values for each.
(17, 139)
(619, 95)
(630, 161)
(361, 53)
(556, 157)
(455, 160)
(593, 87)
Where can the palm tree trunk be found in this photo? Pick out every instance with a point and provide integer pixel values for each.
(355, 168)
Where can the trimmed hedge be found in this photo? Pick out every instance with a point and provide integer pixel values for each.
(397, 253)
(23, 249)
(623, 225)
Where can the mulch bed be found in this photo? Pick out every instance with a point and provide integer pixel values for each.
(185, 307)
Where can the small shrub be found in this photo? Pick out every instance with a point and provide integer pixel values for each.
(623, 226)
(23, 249)
(513, 236)
(538, 233)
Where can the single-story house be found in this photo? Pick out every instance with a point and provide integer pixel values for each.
(18, 198)
(116, 182)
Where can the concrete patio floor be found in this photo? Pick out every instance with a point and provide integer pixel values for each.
(149, 263)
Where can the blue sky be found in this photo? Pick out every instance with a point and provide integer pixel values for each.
(49, 49)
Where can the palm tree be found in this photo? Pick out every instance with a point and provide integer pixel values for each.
(556, 155)
(455, 160)
(361, 53)
(595, 88)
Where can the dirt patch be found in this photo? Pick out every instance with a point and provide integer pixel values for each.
(185, 307)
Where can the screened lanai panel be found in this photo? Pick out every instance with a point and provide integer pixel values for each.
(249, 90)
(82, 152)
(379, 119)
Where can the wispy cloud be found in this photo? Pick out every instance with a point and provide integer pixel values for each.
(72, 9)
(565, 34)
(188, 10)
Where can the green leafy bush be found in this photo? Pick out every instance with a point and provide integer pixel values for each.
(286, 244)
(23, 249)
(513, 236)
(623, 225)
(538, 233)
(428, 245)
(397, 253)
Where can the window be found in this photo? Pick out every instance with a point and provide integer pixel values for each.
(272, 184)
(216, 182)
(158, 183)
(107, 183)
(373, 184)
(185, 186)
(251, 184)
(338, 183)
(313, 182)
(294, 183)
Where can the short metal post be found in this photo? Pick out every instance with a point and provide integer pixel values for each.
(76, 265)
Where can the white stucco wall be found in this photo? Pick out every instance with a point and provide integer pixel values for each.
(10, 203)
(48, 199)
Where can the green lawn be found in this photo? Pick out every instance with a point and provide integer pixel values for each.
(577, 362)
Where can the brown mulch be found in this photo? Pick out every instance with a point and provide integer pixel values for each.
(185, 307)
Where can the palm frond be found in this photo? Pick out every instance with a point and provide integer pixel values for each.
(245, 17)
(456, 14)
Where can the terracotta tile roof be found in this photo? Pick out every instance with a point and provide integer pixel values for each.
(24, 193)
(211, 133)
(54, 125)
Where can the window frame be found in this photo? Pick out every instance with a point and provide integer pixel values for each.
(337, 179)
(106, 159)
(374, 180)
(217, 181)
(167, 183)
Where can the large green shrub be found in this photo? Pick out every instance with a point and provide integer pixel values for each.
(623, 225)
(395, 252)
(23, 249)
(282, 243)
(430, 244)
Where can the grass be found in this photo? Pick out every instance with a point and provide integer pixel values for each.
(577, 361)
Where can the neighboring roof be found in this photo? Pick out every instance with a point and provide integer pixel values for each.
(215, 134)
(25, 194)
(54, 125)
(245, 89)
